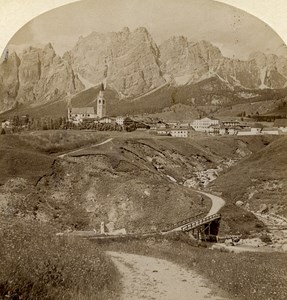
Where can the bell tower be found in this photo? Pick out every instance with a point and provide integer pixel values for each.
(101, 101)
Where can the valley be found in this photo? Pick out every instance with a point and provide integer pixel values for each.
(143, 154)
(140, 183)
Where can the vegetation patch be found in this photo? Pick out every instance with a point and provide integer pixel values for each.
(37, 264)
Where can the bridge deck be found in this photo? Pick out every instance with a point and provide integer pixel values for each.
(190, 224)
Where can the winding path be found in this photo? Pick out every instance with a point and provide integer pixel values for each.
(217, 203)
(146, 277)
(85, 148)
(152, 278)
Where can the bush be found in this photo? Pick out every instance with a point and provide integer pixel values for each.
(266, 239)
(37, 264)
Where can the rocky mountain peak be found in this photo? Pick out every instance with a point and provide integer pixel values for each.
(132, 59)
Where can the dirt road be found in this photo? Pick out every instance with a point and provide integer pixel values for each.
(84, 148)
(151, 278)
(217, 203)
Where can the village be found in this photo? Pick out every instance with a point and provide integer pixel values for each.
(98, 119)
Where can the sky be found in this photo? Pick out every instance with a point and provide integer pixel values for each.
(235, 32)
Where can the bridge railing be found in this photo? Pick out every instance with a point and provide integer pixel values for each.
(172, 226)
(200, 222)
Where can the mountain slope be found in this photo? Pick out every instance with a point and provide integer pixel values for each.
(137, 70)
(260, 179)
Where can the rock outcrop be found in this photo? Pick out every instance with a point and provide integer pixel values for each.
(134, 65)
(40, 76)
(189, 62)
(9, 82)
(132, 59)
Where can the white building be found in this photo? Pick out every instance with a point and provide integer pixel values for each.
(181, 132)
(120, 120)
(273, 131)
(204, 124)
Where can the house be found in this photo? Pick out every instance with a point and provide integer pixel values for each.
(204, 124)
(281, 124)
(77, 114)
(164, 132)
(181, 132)
(172, 124)
(231, 123)
(183, 125)
(107, 120)
(272, 130)
(120, 120)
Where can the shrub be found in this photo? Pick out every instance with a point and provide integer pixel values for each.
(266, 239)
(37, 264)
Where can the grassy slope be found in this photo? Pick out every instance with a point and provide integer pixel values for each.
(37, 264)
(18, 159)
(124, 178)
(262, 178)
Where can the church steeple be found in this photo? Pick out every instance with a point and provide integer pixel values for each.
(101, 101)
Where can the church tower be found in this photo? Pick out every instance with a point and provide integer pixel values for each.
(101, 101)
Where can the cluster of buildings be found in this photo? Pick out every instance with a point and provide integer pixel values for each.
(214, 126)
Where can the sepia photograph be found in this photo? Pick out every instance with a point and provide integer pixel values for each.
(143, 150)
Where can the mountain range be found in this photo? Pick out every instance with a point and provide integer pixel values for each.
(135, 67)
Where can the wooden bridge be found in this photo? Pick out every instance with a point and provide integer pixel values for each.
(203, 228)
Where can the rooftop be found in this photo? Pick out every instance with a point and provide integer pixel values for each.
(82, 110)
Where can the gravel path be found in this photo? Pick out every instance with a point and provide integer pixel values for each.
(152, 278)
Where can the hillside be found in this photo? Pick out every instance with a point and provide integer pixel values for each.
(135, 183)
(258, 181)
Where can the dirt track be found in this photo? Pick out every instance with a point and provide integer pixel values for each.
(152, 278)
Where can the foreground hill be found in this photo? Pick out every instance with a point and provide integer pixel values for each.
(259, 181)
(132, 182)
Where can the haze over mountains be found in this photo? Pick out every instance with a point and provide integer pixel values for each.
(136, 66)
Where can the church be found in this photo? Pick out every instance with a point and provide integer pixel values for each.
(78, 114)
